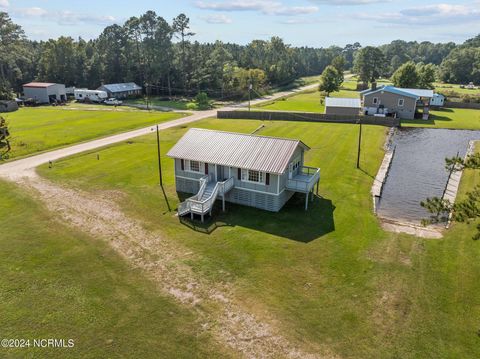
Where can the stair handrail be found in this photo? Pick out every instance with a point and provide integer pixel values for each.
(208, 202)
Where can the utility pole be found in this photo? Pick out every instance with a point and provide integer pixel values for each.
(359, 143)
(159, 159)
(250, 88)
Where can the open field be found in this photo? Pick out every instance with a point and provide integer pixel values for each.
(59, 283)
(331, 278)
(443, 87)
(308, 101)
(44, 128)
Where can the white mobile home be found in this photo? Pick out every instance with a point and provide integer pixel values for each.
(437, 100)
(84, 95)
(257, 171)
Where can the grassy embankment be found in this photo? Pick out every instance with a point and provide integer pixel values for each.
(330, 276)
(44, 128)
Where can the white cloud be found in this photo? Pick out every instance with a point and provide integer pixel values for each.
(350, 2)
(267, 7)
(217, 19)
(30, 12)
(4, 3)
(431, 15)
(64, 17)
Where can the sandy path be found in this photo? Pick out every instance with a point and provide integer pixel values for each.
(214, 303)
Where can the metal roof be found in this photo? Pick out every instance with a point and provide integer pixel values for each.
(39, 84)
(416, 93)
(127, 86)
(343, 102)
(259, 153)
(419, 92)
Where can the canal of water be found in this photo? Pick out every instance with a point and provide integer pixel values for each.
(418, 170)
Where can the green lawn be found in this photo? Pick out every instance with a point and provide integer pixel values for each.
(308, 101)
(449, 118)
(56, 282)
(177, 105)
(331, 278)
(44, 128)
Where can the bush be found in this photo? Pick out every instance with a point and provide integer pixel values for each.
(192, 106)
(202, 101)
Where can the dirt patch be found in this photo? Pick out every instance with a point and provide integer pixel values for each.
(214, 303)
(430, 232)
(392, 311)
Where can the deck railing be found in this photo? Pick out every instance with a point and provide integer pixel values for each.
(302, 184)
(195, 205)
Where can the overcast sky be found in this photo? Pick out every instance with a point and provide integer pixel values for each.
(298, 22)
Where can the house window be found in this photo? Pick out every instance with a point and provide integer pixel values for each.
(252, 176)
(375, 100)
(192, 166)
(401, 102)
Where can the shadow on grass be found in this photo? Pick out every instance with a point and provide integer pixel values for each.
(432, 119)
(292, 222)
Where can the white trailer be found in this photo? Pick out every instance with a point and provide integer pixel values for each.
(84, 95)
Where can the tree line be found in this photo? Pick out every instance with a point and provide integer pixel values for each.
(165, 59)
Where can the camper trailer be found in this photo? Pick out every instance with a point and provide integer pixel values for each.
(84, 95)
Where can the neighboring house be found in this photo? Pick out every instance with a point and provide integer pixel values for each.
(437, 100)
(257, 171)
(394, 101)
(45, 92)
(342, 106)
(123, 90)
(8, 106)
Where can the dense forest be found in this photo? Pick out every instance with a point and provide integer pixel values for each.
(165, 59)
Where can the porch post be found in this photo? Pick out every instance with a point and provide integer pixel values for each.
(318, 184)
(311, 192)
(202, 217)
(191, 216)
(223, 201)
(306, 200)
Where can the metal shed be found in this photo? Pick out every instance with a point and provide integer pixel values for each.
(45, 92)
(342, 106)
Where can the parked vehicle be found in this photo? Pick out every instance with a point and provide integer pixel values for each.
(113, 102)
(84, 95)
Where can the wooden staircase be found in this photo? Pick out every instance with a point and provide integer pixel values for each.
(202, 203)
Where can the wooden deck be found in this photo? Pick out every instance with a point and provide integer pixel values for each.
(305, 180)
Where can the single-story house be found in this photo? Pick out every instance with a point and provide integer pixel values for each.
(401, 102)
(122, 90)
(342, 106)
(257, 171)
(45, 92)
(437, 100)
(8, 106)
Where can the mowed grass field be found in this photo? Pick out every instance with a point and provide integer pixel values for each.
(308, 101)
(56, 282)
(333, 280)
(454, 118)
(44, 128)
